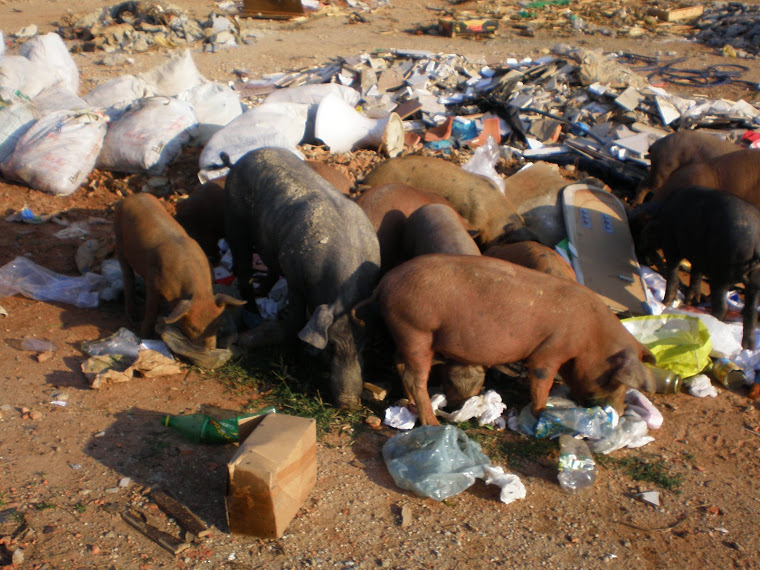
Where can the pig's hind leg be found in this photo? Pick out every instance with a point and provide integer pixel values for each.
(417, 359)
(693, 294)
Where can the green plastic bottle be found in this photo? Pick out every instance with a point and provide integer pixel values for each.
(202, 428)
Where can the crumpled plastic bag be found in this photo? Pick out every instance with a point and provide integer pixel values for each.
(680, 343)
(511, 486)
(277, 299)
(631, 431)
(36, 282)
(483, 161)
(434, 461)
(565, 416)
(726, 343)
(639, 403)
(488, 408)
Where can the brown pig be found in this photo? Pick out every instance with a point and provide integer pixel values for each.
(737, 173)
(437, 228)
(477, 198)
(388, 206)
(535, 256)
(334, 176)
(678, 150)
(202, 216)
(482, 310)
(153, 244)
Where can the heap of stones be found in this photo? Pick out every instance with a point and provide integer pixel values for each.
(137, 26)
(732, 23)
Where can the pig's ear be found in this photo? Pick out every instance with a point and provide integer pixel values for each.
(647, 356)
(221, 300)
(180, 310)
(633, 373)
(315, 331)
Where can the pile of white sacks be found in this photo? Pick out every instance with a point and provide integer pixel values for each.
(51, 138)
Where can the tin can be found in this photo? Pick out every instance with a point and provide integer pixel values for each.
(666, 381)
(728, 374)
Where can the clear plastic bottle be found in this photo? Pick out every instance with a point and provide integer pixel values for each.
(577, 469)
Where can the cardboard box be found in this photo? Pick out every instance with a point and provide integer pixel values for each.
(271, 475)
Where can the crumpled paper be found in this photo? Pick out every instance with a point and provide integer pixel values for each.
(488, 408)
(399, 417)
(701, 387)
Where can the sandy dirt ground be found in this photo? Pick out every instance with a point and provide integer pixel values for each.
(68, 473)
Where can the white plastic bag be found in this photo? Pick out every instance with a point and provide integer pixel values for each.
(36, 282)
(50, 51)
(174, 76)
(58, 152)
(148, 137)
(115, 95)
(58, 98)
(483, 161)
(16, 117)
(215, 106)
(276, 124)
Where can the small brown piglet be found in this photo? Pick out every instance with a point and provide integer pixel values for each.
(679, 150)
(482, 310)
(334, 176)
(535, 256)
(388, 206)
(153, 244)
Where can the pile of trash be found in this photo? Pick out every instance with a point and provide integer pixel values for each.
(731, 24)
(139, 26)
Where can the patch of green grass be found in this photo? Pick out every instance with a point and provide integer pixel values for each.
(503, 448)
(518, 451)
(80, 507)
(301, 398)
(282, 378)
(43, 506)
(2, 500)
(238, 374)
(655, 471)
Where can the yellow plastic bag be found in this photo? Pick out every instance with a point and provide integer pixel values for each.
(680, 343)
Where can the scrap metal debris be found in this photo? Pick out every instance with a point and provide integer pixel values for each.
(573, 105)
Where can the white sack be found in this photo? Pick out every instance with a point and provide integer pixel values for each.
(115, 95)
(215, 106)
(19, 75)
(58, 152)
(50, 51)
(148, 137)
(58, 98)
(16, 117)
(270, 124)
(174, 76)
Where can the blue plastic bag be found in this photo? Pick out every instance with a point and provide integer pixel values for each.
(434, 461)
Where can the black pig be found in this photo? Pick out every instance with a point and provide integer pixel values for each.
(718, 232)
(324, 245)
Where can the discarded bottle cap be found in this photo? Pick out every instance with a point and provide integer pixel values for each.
(728, 374)
(666, 381)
